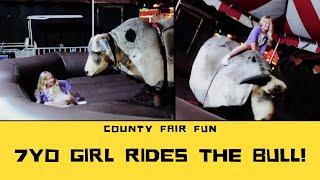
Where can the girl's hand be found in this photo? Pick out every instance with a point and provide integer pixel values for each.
(316, 69)
(297, 61)
(254, 46)
(72, 100)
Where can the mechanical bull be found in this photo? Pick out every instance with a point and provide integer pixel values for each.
(136, 48)
(215, 85)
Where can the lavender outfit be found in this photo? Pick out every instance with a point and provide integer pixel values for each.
(254, 37)
(65, 88)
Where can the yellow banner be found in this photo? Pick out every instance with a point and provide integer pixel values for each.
(159, 150)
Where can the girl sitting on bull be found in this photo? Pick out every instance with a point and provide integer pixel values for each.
(260, 36)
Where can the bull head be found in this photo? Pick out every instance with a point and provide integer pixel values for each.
(268, 89)
(268, 83)
(275, 87)
(100, 54)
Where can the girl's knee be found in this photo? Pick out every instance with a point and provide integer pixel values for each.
(70, 99)
(246, 46)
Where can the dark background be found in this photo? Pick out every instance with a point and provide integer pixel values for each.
(70, 32)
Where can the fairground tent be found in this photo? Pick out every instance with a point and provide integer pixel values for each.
(297, 21)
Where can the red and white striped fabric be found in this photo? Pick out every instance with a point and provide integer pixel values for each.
(302, 17)
(299, 43)
(272, 8)
(259, 8)
(232, 12)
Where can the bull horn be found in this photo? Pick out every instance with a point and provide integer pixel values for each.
(259, 80)
(104, 45)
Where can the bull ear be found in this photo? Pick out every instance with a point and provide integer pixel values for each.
(259, 80)
(104, 45)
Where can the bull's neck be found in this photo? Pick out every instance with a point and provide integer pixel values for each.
(112, 47)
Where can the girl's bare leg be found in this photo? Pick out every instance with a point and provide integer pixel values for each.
(71, 99)
(62, 101)
(50, 103)
(235, 51)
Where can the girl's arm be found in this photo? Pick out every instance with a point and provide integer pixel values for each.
(41, 98)
(65, 86)
(253, 38)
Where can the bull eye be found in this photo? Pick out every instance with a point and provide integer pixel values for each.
(277, 88)
(97, 58)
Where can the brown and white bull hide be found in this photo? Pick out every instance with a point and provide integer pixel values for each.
(97, 60)
(215, 85)
(168, 42)
(262, 98)
(138, 51)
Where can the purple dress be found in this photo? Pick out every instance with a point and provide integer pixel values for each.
(65, 88)
(254, 37)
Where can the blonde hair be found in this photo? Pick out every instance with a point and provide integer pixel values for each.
(270, 30)
(41, 84)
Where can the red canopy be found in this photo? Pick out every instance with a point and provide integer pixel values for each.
(301, 25)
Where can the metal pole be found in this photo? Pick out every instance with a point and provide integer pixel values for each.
(195, 35)
(92, 18)
(274, 51)
(177, 5)
(30, 31)
(122, 14)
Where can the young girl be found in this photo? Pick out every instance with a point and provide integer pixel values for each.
(259, 38)
(54, 92)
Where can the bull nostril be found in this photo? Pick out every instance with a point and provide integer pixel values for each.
(86, 72)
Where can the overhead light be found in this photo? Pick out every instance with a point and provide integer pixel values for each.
(216, 35)
(156, 5)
